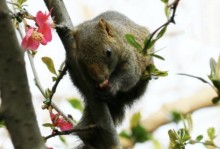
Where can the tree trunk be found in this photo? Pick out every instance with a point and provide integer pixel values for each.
(17, 109)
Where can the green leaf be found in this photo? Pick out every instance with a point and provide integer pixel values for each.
(199, 138)
(161, 33)
(48, 92)
(157, 56)
(199, 78)
(49, 63)
(173, 135)
(47, 101)
(135, 120)
(125, 134)
(62, 139)
(54, 79)
(76, 103)
(211, 133)
(140, 134)
(165, 1)
(213, 65)
(131, 40)
(184, 135)
(148, 44)
(176, 116)
(21, 1)
(49, 125)
(215, 100)
(167, 11)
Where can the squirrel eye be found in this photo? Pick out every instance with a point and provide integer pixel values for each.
(109, 52)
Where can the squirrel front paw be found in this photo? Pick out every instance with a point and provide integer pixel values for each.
(104, 91)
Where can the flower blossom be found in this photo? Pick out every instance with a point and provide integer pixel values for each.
(60, 122)
(32, 39)
(44, 26)
(36, 36)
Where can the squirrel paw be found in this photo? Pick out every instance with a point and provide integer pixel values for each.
(103, 94)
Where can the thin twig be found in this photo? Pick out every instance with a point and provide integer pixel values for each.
(62, 73)
(67, 132)
(38, 83)
(173, 6)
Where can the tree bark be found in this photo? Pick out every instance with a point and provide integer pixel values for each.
(17, 109)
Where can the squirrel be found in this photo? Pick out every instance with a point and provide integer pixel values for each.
(104, 66)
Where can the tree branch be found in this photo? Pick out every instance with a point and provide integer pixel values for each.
(100, 111)
(173, 7)
(202, 99)
(17, 108)
(62, 73)
(67, 132)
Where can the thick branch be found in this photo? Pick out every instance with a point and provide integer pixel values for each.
(100, 111)
(16, 109)
(200, 100)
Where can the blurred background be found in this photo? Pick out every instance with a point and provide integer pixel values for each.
(187, 48)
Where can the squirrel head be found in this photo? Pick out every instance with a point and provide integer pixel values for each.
(96, 49)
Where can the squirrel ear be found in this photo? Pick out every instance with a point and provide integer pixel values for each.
(105, 26)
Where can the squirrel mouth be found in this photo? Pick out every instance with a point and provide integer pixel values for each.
(104, 84)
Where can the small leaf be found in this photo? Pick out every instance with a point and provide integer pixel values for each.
(50, 65)
(167, 11)
(21, 1)
(140, 134)
(213, 65)
(161, 33)
(211, 133)
(176, 116)
(47, 101)
(62, 139)
(165, 1)
(49, 125)
(131, 40)
(199, 138)
(173, 135)
(184, 135)
(48, 92)
(54, 79)
(76, 103)
(157, 56)
(199, 78)
(215, 100)
(125, 134)
(135, 120)
(148, 44)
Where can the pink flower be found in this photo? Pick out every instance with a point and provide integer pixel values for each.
(44, 26)
(34, 37)
(60, 122)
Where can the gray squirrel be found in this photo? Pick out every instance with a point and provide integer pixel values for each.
(104, 66)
